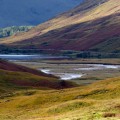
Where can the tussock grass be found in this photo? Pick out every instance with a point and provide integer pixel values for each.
(25, 96)
(91, 102)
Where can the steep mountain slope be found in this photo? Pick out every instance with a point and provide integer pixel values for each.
(31, 12)
(93, 25)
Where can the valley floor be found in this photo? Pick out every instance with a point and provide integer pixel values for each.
(82, 71)
(97, 101)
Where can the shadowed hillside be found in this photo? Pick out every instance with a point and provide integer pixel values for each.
(14, 76)
(91, 26)
(5, 65)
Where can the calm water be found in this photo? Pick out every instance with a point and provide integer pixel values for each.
(27, 57)
(79, 70)
(64, 71)
(63, 76)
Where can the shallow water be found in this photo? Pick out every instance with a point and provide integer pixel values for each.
(15, 57)
(45, 71)
(77, 71)
(65, 71)
(69, 76)
(63, 76)
(98, 67)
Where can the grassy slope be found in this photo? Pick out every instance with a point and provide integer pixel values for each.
(99, 101)
(12, 80)
(90, 23)
(13, 76)
(25, 96)
(5, 65)
(110, 45)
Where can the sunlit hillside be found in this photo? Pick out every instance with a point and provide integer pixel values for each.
(99, 101)
(9, 31)
(67, 68)
(96, 23)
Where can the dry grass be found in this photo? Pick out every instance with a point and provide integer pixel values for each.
(12, 80)
(90, 102)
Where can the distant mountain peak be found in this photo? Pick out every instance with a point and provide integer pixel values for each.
(32, 12)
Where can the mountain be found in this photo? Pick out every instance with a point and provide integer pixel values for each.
(93, 25)
(31, 12)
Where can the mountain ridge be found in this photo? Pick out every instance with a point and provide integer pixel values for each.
(30, 12)
(81, 31)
